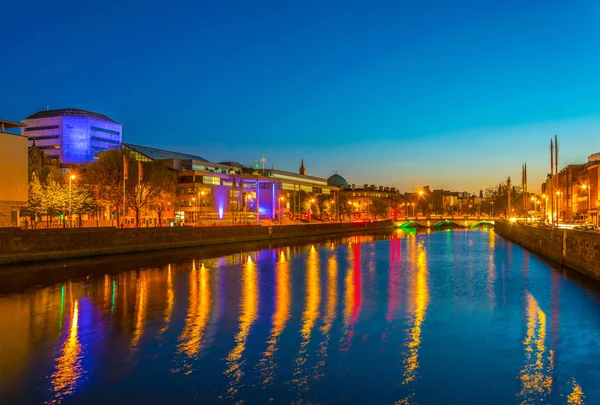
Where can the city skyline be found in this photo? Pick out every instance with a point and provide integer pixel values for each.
(455, 97)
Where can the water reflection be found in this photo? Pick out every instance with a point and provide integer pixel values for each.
(536, 374)
(576, 396)
(279, 319)
(198, 313)
(170, 300)
(330, 314)
(420, 299)
(248, 314)
(321, 306)
(68, 365)
(309, 316)
(140, 309)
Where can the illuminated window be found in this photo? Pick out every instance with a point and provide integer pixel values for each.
(49, 147)
(211, 180)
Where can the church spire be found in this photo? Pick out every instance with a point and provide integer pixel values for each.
(302, 168)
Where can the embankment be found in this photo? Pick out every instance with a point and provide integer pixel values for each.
(575, 249)
(19, 246)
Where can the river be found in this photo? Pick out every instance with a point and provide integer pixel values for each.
(456, 317)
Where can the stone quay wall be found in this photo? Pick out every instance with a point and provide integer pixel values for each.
(21, 245)
(575, 249)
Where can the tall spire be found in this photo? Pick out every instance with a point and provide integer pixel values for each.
(302, 168)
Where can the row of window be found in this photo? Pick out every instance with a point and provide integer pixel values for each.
(49, 147)
(98, 139)
(108, 131)
(41, 138)
(41, 128)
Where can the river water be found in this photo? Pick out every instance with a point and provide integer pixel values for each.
(457, 317)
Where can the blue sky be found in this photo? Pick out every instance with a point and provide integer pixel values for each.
(454, 94)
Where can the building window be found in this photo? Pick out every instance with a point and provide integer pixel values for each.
(95, 138)
(41, 128)
(211, 180)
(41, 138)
(108, 131)
(49, 147)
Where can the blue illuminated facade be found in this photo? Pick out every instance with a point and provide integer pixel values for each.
(72, 135)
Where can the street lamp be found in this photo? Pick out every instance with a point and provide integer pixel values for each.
(312, 201)
(584, 186)
(331, 203)
(557, 206)
(281, 199)
(71, 178)
(201, 203)
(194, 206)
(413, 205)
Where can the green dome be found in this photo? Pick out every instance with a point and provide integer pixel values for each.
(337, 181)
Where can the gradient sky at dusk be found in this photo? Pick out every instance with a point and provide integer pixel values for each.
(454, 94)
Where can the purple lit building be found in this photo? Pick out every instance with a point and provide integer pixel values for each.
(72, 135)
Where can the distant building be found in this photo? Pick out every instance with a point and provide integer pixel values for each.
(577, 197)
(209, 191)
(13, 174)
(71, 135)
(43, 167)
(361, 198)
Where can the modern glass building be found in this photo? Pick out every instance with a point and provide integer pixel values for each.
(72, 135)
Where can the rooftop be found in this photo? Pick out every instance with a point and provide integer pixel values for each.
(158, 154)
(72, 112)
(5, 124)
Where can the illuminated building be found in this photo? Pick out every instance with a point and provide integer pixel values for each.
(13, 180)
(578, 196)
(229, 191)
(43, 167)
(361, 199)
(72, 135)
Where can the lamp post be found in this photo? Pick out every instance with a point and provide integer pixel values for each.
(544, 208)
(281, 199)
(312, 201)
(585, 187)
(557, 207)
(194, 211)
(413, 205)
(331, 210)
(201, 203)
(71, 178)
(169, 211)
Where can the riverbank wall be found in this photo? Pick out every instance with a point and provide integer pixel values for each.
(21, 245)
(575, 249)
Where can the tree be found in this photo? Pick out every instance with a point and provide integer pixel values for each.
(56, 199)
(82, 201)
(161, 203)
(498, 196)
(395, 201)
(323, 202)
(156, 180)
(106, 175)
(380, 207)
(345, 206)
(36, 203)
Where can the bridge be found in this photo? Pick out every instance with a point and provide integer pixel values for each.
(445, 222)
